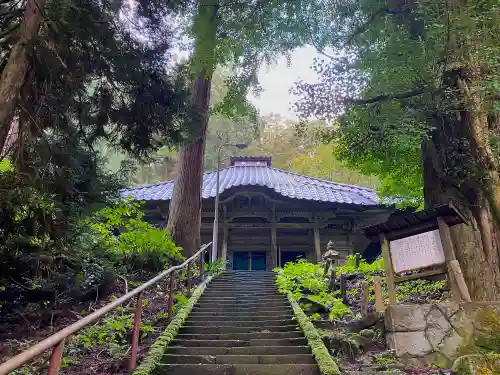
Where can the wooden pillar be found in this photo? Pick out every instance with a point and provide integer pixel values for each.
(389, 270)
(223, 250)
(317, 244)
(458, 286)
(274, 249)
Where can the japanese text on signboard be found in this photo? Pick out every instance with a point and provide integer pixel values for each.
(415, 252)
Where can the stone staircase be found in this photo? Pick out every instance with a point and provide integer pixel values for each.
(240, 326)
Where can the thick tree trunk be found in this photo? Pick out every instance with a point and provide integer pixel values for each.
(18, 63)
(184, 220)
(459, 165)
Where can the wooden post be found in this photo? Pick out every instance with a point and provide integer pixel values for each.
(333, 277)
(135, 335)
(188, 275)
(223, 250)
(457, 282)
(249, 260)
(379, 298)
(389, 270)
(357, 260)
(55, 359)
(454, 266)
(317, 244)
(202, 266)
(170, 304)
(343, 289)
(364, 298)
(274, 249)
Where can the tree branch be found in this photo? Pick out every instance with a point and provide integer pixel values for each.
(387, 97)
(382, 11)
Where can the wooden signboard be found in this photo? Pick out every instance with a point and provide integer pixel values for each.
(416, 252)
(418, 241)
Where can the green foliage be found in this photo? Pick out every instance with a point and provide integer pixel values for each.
(321, 162)
(302, 278)
(385, 358)
(343, 343)
(112, 333)
(420, 290)
(481, 355)
(216, 268)
(327, 365)
(364, 267)
(139, 245)
(180, 301)
(392, 84)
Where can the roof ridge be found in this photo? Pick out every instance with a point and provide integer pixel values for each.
(262, 166)
(323, 180)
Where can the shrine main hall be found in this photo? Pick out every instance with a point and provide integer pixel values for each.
(268, 217)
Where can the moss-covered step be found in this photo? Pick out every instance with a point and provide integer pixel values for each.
(240, 359)
(242, 350)
(237, 369)
(233, 343)
(199, 329)
(241, 336)
(325, 361)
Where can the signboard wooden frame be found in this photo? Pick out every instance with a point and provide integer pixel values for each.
(398, 228)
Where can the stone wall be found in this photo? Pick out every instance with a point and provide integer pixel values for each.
(432, 334)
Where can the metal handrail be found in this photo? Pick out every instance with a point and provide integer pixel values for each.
(56, 341)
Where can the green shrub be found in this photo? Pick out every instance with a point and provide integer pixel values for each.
(365, 268)
(215, 268)
(302, 278)
(128, 240)
(112, 333)
(420, 290)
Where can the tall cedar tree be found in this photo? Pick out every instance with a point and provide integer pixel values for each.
(87, 79)
(241, 34)
(414, 88)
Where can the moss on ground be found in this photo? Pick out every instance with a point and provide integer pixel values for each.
(327, 365)
(158, 348)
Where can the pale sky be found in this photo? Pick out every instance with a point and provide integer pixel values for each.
(277, 80)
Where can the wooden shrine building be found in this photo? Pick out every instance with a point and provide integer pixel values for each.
(269, 216)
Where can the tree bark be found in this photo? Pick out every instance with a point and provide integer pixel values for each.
(184, 220)
(459, 166)
(18, 64)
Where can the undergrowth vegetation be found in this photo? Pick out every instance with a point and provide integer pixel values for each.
(114, 251)
(308, 284)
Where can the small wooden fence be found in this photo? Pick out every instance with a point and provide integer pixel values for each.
(57, 340)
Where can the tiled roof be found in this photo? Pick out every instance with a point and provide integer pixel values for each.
(287, 184)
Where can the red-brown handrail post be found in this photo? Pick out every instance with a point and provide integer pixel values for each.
(55, 359)
(170, 303)
(189, 278)
(202, 266)
(135, 334)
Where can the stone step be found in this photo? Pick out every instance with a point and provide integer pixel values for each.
(240, 359)
(237, 297)
(230, 293)
(240, 336)
(240, 323)
(201, 330)
(241, 350)
(240, 310)
(237, 303)
(238, 369)
(238, 343)
(237, 318)
(238, 313)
